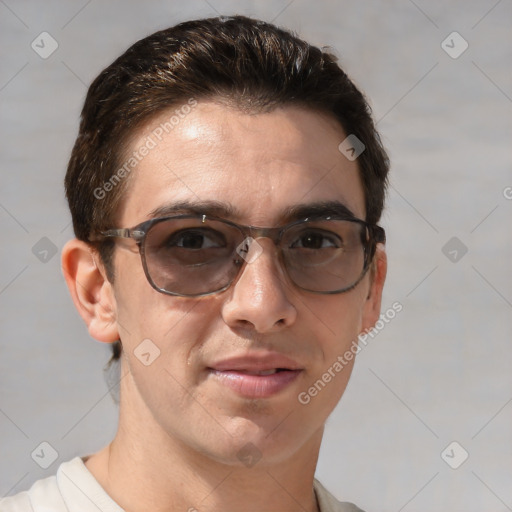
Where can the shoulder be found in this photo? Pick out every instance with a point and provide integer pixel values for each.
(328, 503)
(43, 496)
(72, 489)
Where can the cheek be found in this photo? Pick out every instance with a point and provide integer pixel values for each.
(340, 316)
(337, 321)
(142, 312)
(171, 323)
(155, 323)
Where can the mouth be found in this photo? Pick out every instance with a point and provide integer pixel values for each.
(256, 376)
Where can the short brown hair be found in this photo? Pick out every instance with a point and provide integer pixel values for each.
(244, 63)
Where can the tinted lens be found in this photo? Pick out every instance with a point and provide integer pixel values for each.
(191, 257)
(187, 256)
(325, 256)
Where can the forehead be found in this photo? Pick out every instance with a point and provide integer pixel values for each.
(257, 165)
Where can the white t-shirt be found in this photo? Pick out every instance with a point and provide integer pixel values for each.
(74, 489)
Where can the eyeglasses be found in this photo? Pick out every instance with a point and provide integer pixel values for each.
(196, 255)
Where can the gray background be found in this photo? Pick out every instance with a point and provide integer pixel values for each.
(438, 372)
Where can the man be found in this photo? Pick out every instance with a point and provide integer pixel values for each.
(224, 187)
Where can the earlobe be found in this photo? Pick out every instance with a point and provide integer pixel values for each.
(90, 290)
(373, 302)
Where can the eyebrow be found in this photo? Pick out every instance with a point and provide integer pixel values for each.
(213, 208)
(318, 209)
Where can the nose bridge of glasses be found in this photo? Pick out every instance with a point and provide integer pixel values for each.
(261, 253)
(253, 244)
(259, 232)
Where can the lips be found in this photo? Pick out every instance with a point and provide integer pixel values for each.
(265, 372)
(256, 376)
(257, 363)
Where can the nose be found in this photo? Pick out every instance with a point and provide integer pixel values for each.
(260, 297)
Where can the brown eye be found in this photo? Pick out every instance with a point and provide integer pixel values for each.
(196, 239)
(316, 240)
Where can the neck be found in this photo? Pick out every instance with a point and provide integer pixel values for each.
(145, 468)
(139, 480)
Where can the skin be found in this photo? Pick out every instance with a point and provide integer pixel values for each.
(179, 429)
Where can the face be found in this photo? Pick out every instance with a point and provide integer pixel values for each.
(206, 389)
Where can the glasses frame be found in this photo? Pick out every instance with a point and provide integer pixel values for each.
(374, 235)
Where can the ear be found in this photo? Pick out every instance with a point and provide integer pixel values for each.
(371, 308)
(92, 293)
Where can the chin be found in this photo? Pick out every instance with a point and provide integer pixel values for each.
(250, 444)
